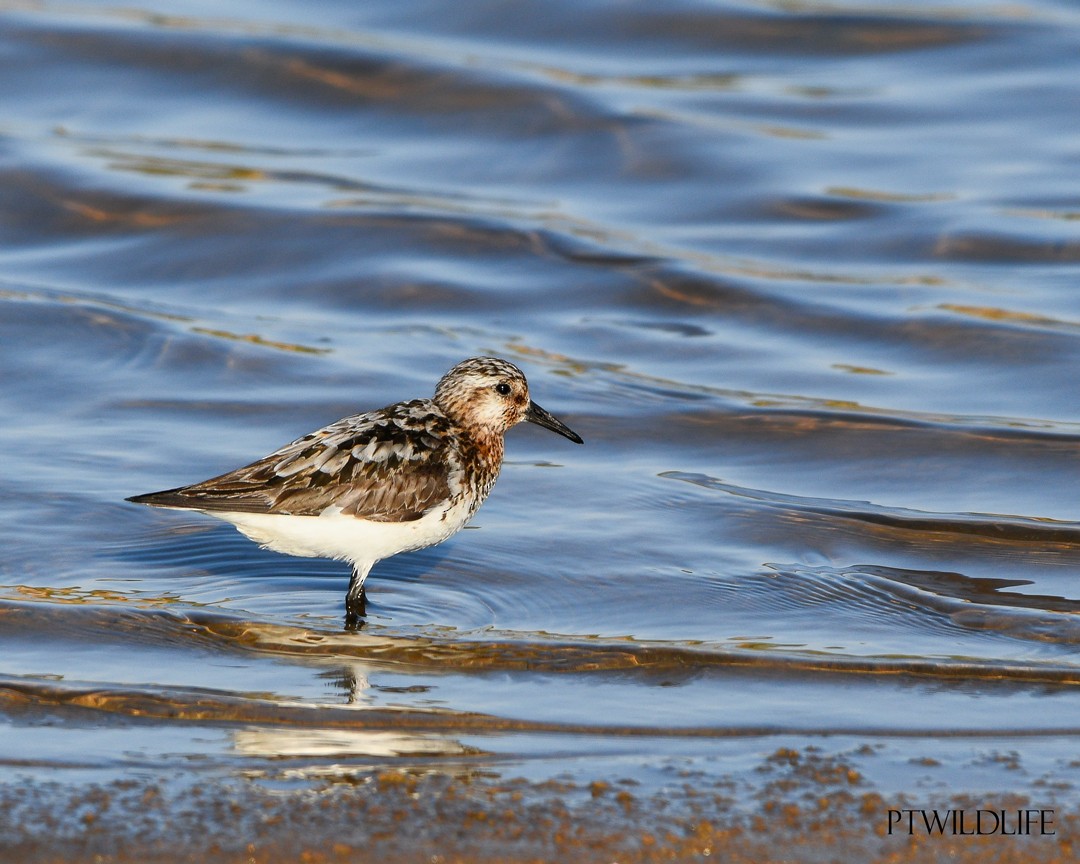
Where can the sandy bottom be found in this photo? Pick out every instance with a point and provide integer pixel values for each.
(795, 805)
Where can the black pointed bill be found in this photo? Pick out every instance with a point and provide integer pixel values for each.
(540, 417)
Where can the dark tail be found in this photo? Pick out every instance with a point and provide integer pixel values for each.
(187, 498)
(167, 498)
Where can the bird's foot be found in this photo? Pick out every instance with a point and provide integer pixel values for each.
(353, 623)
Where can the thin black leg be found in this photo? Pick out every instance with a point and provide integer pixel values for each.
(355, 609)
(356, 598)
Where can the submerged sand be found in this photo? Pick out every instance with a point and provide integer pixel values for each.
(796, 805)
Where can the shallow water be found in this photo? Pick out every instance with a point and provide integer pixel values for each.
(802, 275)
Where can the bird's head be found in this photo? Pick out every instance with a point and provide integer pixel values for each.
(492, 395)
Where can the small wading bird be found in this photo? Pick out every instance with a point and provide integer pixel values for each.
(375, 484)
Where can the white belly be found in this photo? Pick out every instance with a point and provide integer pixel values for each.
(345, 538)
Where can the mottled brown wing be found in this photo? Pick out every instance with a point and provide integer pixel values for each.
(392, 465)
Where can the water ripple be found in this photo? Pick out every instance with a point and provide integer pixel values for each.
(1011, 529)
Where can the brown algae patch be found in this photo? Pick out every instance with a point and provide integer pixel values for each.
(799, 804)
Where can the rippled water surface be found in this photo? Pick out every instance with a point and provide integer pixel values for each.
(803, 275)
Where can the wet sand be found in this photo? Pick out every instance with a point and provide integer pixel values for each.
(804, 805)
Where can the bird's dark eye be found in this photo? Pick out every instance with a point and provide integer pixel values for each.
(502, 388)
